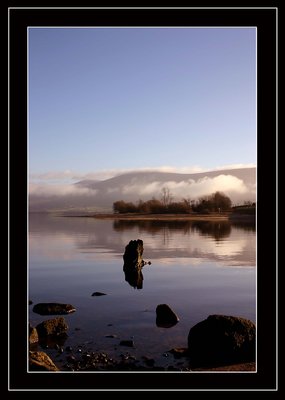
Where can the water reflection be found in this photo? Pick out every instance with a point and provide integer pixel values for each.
(134, 277)
(233, 243)
(216, 229)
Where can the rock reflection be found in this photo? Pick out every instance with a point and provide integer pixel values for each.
(134, 277)
(133, 263)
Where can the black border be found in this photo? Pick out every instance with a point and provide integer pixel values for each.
(265, 21)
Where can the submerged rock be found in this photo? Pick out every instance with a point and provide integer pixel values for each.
(53, 308)
(222, 339)
(179, 352)
(128, 343)
(165, 316)
(40, 361)
(56, 326)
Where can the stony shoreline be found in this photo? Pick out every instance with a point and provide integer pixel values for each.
(78, 360)
(219, 343)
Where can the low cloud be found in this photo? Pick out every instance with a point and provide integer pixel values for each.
(59, 190)
(69, 176)
(189, 188)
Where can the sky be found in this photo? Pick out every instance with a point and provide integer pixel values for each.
(108, 100)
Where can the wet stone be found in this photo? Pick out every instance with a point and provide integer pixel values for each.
(127, 343)
(53, 308)
(98, 294)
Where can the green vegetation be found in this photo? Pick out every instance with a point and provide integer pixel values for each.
(216, 202)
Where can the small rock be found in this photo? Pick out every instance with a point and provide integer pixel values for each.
(128, 343)
(53, 308)
(179, 352)
(30, 302)
(98, 294)
(111, 336)
(149, 361)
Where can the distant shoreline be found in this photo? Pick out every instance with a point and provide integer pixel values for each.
(164, 217)
(213, 217)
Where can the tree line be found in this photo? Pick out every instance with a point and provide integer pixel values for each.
(215, 202)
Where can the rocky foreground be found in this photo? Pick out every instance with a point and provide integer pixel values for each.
(218, 343)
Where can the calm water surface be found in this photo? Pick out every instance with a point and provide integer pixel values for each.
(197, 268)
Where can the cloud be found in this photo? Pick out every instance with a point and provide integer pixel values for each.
(234, 166)
(69, 176)
(59, 190)
(189, 188)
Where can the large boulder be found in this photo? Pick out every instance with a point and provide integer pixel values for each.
(222, 339)
(165, 316)
(56, 326)
(40, 361)
(53, 308)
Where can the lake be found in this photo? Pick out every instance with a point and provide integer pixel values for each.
(197, 268)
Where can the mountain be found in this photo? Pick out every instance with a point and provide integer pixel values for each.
(238, 184)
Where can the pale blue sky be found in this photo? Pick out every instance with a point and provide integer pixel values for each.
(129, 98)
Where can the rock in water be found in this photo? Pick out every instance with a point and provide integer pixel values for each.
(40, 361)
(133, 255)
(98, 294)
(221, 339)
(165, 316)
(56, 326)
(133, 263)
(53, 308)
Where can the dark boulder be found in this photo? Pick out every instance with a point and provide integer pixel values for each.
(53, 308)
(56, 326)
(221, 339)
(165, 316)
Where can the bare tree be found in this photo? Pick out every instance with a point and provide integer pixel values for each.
(166, 197)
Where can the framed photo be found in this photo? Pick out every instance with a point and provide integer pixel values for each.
(142, 149)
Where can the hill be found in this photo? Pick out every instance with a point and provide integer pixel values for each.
(91, 195)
